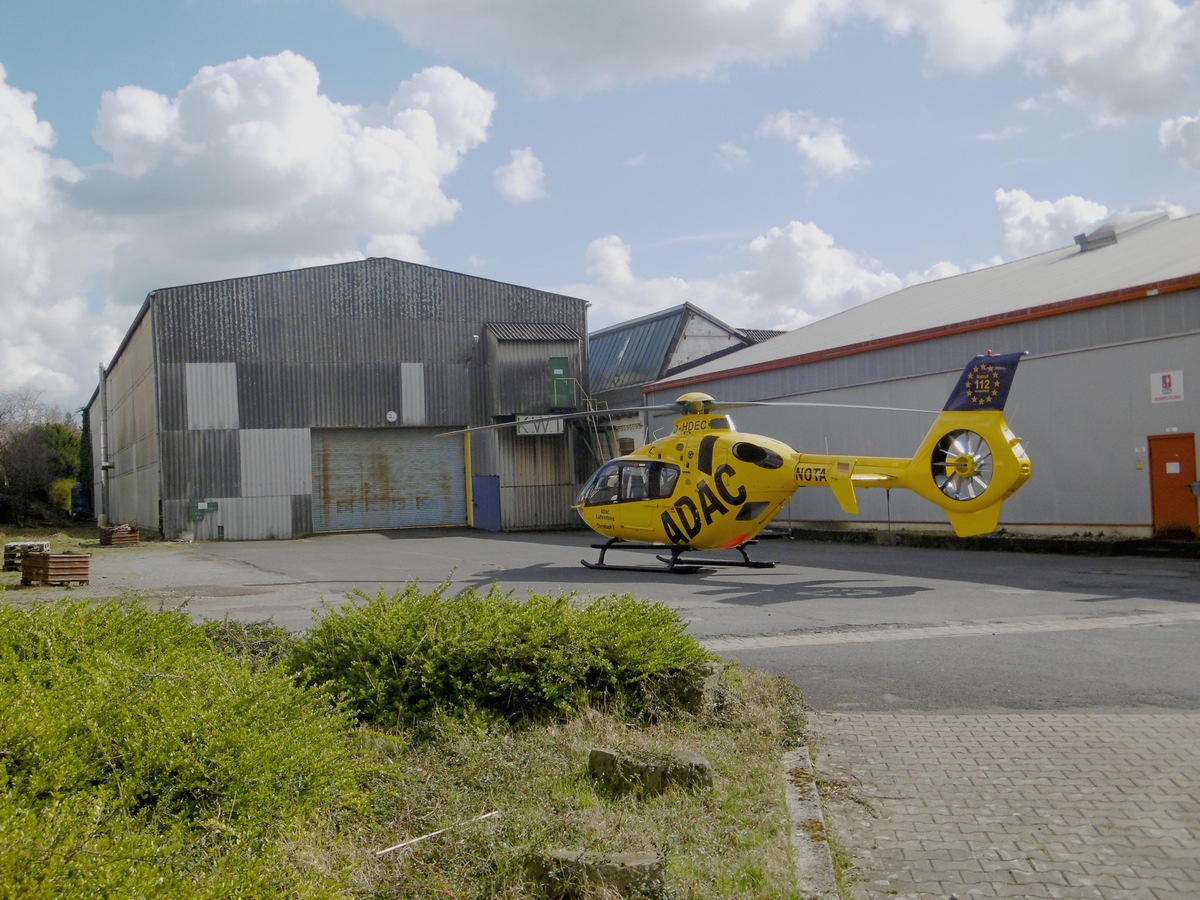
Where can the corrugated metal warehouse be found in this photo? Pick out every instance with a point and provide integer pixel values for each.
(1108, 400)
(311, 400)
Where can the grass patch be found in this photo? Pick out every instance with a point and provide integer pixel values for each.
(730, 842)
(63, 538)
(142, 755)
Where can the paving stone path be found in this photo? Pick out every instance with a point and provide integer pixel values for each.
(1044, 804)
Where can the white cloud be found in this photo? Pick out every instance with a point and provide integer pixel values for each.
(796, 275)
(1117, 58)
(819, 141)
(522, 178)
(25, 188)
(46, 257)
(571, 46)
(732, 154)
(1180, 138)
(1035, 226)
(967, 35)
(589, 46)
(249, 168)
(617, 294)
(1004, 134)
(800, 268)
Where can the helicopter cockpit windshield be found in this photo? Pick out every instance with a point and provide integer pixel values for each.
(629, 480)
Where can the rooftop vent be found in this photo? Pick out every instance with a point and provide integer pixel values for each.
(1118, 226)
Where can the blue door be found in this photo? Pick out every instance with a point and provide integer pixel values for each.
(485, 494)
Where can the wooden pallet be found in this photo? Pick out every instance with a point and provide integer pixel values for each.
(118, 535)
(55, 568)
(13, 552)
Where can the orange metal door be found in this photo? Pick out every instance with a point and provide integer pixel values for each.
(1172, 471)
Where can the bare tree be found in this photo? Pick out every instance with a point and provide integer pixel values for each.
(24, 407)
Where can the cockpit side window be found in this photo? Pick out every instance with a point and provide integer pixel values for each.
(756, 455)
(619, 482)
(666, 476)
(603, 488)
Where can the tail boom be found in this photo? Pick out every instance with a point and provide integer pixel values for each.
(969, 462)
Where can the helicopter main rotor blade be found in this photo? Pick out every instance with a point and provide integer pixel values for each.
(560, 417)
(681, 406)
(744, 403)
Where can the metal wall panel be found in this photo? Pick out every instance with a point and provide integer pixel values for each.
(241, 519)
(412, 394)
(537, 506)
(205, 465)
(275, 462)
(302, 510)
(131, 429)
(246, 519)
(386, 478)
(520, 382)
(537, 481)
(211, 395)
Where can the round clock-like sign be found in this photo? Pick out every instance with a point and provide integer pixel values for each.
(391, 415)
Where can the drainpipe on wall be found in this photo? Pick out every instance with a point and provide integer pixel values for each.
(105, 465)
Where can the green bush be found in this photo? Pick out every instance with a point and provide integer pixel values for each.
(399, 660)
(137, 760)
(60, 493)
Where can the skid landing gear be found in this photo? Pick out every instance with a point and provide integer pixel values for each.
(674, 564)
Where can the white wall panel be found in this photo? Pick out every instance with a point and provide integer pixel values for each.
(275, 462)
(212, 397)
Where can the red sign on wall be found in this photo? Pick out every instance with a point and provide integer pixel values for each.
(1166, 386)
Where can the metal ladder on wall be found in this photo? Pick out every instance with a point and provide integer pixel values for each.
(601, 440)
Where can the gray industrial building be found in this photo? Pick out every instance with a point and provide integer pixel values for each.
(1107, 401)
(313, 400)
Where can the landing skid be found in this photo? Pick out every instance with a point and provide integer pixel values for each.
(672, 564)
(746, 562)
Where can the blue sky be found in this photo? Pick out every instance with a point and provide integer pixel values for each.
(773, 161)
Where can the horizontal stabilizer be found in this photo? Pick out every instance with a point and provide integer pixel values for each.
(839, 473)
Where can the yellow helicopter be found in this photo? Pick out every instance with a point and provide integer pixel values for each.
(708, 487)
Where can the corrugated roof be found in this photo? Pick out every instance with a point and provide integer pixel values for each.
(758, 335)
(531, 331)
(1156, 252)
(634, 352)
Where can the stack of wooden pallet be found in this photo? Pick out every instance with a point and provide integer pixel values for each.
(117, 535)
(14, 551)
(55, 568)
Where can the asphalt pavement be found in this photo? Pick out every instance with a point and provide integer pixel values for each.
(983, 724)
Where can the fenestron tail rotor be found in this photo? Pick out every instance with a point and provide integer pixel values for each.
(962, 465)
